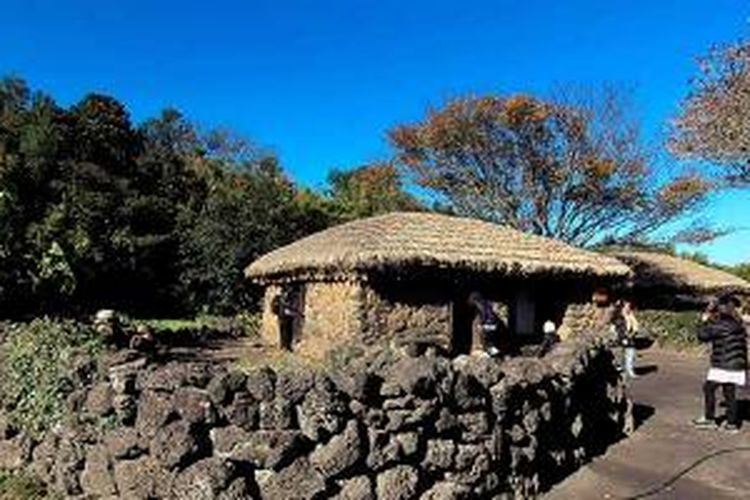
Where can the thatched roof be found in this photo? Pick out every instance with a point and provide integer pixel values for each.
(653, 269)
(404, 239)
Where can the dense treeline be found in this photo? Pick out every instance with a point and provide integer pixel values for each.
(157, 218)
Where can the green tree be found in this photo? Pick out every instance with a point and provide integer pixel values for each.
(247, 212)
(165, 186)
(742, 270)
(369, 190)
(155, 219)
(31, 136)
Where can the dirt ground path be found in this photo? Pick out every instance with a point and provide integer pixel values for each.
(242, 352)
(668, 397)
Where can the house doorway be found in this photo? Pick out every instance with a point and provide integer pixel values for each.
(289, 306)
(469, 323)
(462, 318)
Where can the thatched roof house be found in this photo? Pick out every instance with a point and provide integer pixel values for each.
(410, 273)
(662, 280)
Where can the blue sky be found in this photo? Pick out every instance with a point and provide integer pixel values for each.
(320, 81)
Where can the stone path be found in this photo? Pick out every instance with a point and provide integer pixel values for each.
(666, 443)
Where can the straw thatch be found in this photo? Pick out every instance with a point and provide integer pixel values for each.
(400, 239)
(652, 270)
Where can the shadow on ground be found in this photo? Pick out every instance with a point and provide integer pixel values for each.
(743, 406)
(641, 413)
(666, 458)
(643, 343)
(646, 369)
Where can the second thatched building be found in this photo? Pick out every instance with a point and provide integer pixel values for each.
(406, 277)
(663, 281)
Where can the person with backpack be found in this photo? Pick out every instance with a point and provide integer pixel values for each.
(722, 327)
(486, 326)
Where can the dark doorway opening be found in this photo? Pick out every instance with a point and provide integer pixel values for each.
(462, 317)
(289, 307)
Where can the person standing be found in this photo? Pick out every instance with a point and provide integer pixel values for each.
(627, 339)
(722, 327)
(485, 327)
(617, 329)
(286, 305)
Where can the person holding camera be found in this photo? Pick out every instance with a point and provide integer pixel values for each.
(722, 327)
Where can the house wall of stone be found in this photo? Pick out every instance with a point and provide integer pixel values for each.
(403, 312)
(422, 312)
(331, 317)
(406, 314)
(580, 318)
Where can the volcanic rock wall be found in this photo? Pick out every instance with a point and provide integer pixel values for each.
(387, 426)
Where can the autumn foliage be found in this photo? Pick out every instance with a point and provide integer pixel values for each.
(367, 190)
(571, 167)
(714, 122)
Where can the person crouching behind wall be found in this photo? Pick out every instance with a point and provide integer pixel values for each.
(722, 327)
(550, 338)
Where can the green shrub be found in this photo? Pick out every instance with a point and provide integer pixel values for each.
(249, 323)
(670, 328)
(20, 487)
(35, 364)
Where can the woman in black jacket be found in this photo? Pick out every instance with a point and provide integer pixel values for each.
(723, 328)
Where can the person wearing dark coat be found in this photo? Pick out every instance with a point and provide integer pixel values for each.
(285, 305)
(724, 329)
(486, 328)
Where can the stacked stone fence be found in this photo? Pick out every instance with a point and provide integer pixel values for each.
(385, 426)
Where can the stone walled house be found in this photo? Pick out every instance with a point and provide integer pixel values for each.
(406, 277)
(662, 281)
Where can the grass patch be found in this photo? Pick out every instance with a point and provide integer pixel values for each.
(245, 324)
(171, 325)
(35, 367)
(277, 359)
(671, 328)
